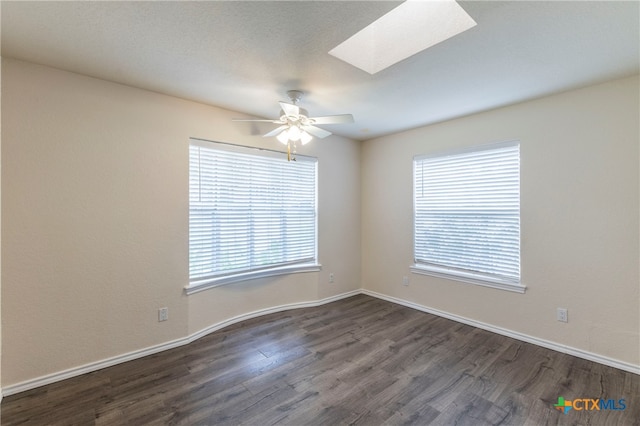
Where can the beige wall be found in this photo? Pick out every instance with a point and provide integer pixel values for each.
(0, 234)
(579, 213)
(95, 221)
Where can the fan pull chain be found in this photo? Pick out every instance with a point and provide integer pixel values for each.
(295, 150)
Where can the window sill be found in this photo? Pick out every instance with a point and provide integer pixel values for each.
(198, 286)
(467, 277)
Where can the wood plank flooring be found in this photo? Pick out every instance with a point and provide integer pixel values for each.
(357, 361)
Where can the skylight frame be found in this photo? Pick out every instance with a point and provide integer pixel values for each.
(400, 34)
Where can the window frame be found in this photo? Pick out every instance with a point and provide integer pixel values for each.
(463, 275)
(197, 284)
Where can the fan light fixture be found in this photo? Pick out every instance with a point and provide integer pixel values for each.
(290, 136)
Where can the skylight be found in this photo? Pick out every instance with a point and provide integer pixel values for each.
(410, 28)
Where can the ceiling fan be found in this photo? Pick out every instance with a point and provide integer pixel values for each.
(296, 125)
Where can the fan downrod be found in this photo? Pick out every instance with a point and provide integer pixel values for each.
(295, 95)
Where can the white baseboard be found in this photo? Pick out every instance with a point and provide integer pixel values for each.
(513, 334)
(98, 365)
(88, 368)
(267, 311)
(94, 366)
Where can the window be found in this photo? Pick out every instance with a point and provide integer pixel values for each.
(467, 216)
(251, 214)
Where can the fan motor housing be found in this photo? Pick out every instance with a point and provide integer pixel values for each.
(302, 113)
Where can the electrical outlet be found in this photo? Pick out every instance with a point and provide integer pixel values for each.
(562, 315)
(331, 277)
(405, 281)
(163, 314)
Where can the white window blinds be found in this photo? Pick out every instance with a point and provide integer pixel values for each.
(467, 213)
(248, 210)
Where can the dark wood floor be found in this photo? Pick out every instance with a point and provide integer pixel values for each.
(356, 361)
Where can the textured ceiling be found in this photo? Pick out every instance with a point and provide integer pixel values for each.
(245, 55)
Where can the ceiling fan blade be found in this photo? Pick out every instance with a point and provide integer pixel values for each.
(275, 131)
(290, 110)
(316, 131)
(332, 119)
(260, 121)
